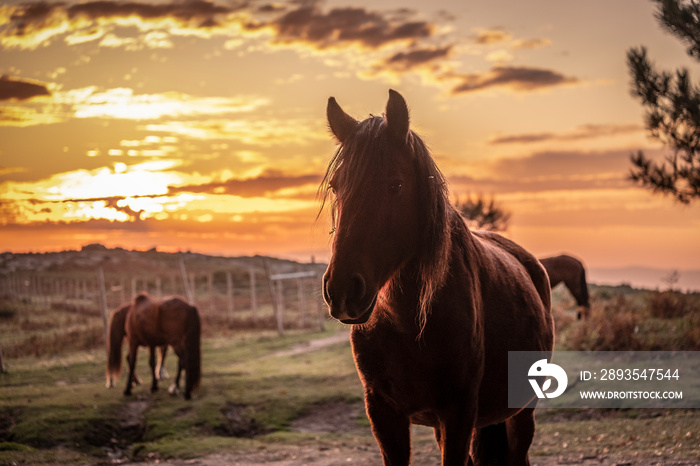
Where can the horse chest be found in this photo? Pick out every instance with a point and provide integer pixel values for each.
(414, 377)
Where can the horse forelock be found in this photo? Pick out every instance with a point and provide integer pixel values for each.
(369, 150)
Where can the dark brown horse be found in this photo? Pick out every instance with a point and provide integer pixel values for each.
(434, 307)
(570, 271)
(117, 333)
(159, 322)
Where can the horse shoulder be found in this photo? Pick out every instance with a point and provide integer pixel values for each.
(507, 259)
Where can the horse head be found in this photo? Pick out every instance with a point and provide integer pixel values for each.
(379, 188)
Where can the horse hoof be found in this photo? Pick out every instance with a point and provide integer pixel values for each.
(154, 389)
(127, 392)
(174, 390)
(188, 396)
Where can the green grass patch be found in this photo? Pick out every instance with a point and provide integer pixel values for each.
(248, 392)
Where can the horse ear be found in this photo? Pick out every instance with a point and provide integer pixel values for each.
(342, 125)
(397, 120)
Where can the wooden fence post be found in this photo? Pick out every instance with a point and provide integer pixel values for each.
(229, 294)
(186, 282)
(302, 304)
(103, 299)
(210, 290)
(253, 295)
(275, 303)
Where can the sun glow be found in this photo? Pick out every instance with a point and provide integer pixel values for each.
(123, 103)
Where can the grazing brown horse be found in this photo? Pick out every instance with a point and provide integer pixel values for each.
(117, 333)
(159, 322)
(571, 272)
(434, 307)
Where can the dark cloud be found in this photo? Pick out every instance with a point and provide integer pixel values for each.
(32, 16)
(37, 15)
(404, 61)
(295, 22)
(517, 78)
(18, 89)
(579, 133)
(564, 164)
(192, 12)
(344, 26)
(465, 184)
(552, 171)
(268, 182)
(304, 23)
(271, 8)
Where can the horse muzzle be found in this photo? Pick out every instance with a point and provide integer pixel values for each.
(348, 299)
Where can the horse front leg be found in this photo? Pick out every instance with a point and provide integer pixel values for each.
(162, 371)
(131, 358)
(152, 363)
(520, 431)
(175, 387)
(391, 430)
(454, 435)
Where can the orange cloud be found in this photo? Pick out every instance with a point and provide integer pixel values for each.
(117, 103)
(492, 36)
(270, 181)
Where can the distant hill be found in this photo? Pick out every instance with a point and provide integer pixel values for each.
(644, 277)
(122, 261)
(119, 260)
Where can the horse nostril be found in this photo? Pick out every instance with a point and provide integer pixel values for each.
(357, 287)
(326, 293)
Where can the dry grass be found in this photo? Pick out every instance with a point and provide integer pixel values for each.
(636, 321)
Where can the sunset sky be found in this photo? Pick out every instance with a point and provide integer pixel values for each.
(200, 125)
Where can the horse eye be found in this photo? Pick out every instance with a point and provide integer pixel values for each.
(395, 188)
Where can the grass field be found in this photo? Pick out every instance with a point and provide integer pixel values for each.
(268, 396)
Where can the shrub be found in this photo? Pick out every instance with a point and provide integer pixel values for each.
(668, 304)
(612, 328)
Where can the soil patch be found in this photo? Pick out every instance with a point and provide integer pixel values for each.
(131, 419)
(238, 422)
(328, 418)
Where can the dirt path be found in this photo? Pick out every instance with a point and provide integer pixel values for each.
(369, 455)
(354, 444)
(311, 345)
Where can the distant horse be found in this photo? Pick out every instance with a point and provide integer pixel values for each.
(571, 272)
(117, 333)
(434, 307)
(160, 322)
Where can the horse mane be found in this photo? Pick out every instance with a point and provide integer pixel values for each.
(352, 165)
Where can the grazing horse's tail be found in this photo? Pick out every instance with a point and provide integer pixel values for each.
(193, 368)
(115, 337)
(582, 296)
(584, 289)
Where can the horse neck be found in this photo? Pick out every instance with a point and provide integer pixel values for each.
(403, 295)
